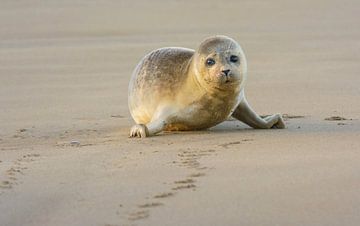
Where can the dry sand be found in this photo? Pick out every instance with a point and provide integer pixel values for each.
(65, 158)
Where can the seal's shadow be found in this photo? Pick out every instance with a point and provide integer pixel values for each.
(224, 127)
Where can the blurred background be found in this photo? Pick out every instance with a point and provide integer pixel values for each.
(70, 61)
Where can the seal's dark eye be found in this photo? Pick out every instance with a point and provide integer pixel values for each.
(210, 62)
(234, 58)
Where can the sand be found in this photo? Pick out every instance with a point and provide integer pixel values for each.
(65, 158)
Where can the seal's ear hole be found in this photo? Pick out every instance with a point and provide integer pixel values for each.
(210, 62)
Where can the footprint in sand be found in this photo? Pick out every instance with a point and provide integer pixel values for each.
(226, 145)
(6, 184)
(184, 184)
(338, 118)
(197, 175)
(117, 116)
(186, 181)
(187, 186)
(335, 118)
(164, 195)
(19, 165)
(138, 215)
(189, 159)
(149, 205)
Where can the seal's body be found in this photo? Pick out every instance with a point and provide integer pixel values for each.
(182, 89)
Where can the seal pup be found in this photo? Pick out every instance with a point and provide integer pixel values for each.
(174, 89)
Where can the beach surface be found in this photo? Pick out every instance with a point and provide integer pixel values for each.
(65, 155)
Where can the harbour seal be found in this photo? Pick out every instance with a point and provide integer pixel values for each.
(183, 89)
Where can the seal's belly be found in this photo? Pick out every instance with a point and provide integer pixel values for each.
(187, 126)
(177, 127)
(200, 117)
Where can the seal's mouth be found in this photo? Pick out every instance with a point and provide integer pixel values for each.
(226, 79)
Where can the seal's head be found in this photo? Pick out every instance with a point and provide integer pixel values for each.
(220, 63)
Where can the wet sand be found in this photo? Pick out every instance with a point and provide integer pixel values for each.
(65, 158)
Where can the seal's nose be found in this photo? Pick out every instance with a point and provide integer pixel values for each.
(226, 72)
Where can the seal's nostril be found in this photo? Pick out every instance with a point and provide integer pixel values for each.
(226, 72)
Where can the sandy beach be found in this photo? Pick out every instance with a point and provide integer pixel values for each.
(65, 155)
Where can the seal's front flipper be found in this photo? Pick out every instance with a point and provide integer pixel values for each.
(139, 130)
(150, 129)
(156, 125)
(246, 114)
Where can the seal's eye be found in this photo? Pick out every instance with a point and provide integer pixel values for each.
(234, 58)
(210, 62)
